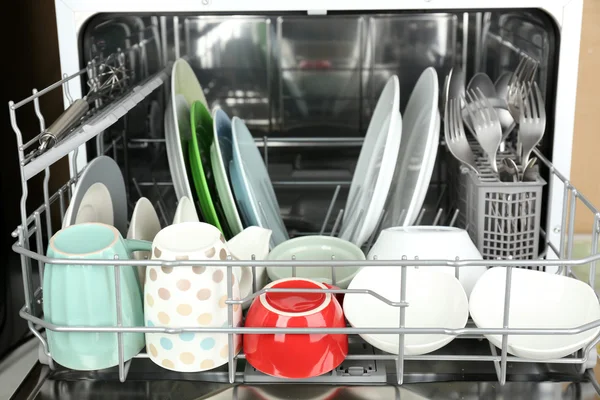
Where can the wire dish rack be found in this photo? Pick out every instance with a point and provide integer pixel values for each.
(37, 227)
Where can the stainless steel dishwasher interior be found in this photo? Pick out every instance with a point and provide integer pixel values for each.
(306, 88)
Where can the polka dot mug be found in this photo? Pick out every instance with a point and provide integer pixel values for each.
(189, 297)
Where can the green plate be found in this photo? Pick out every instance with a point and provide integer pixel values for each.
(199, 156)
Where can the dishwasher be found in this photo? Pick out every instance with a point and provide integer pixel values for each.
(305, 80)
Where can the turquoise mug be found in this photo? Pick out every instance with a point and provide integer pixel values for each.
(84, 295)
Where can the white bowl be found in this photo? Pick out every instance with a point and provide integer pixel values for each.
(537, 300)
(436, 300)
(433, 243)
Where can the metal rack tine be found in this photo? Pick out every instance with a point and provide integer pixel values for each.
(266, 151)
(420, 217)
(454, 217)
(401, 218)
(338, 220)
(359, 219)
(162, 213)
(438, 217)
(377, 229)
(330, 208)
(137, 187)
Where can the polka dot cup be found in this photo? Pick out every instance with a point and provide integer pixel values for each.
(189, 297)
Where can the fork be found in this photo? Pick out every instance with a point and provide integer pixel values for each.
(486, 124)
(525, 72)
(532, 120)
(454, 133)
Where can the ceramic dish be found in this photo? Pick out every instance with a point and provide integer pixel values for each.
(199, 149)
(100, 192)
(221, 154)
(144, 225)
(375, 167)
(177, 136)
(431, 243)
(316, 248)
(418, 150)
(185, 90)
(295, 355)
(537, 300)
(185, 212)
(252, 185)
(436, 300)
(95, 206)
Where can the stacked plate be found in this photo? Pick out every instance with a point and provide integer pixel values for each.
(215, 162)
(229, 183)
(394, 168)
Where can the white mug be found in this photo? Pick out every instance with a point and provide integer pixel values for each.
(188, 297)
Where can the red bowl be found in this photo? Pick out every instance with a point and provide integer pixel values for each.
(339, 296)
(289, 355)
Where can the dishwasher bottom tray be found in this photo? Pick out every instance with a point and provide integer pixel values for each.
(363, 379)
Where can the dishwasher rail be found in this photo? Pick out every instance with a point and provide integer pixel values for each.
(37, 227)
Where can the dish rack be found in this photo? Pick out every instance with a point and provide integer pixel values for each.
(38, 226)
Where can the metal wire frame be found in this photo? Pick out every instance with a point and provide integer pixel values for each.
(32, 224)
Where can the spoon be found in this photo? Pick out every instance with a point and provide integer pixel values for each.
(483, 82)
(508, 171)
(531, 171)
(501, 84)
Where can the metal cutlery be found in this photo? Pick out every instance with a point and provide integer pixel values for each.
(455, 136)
(483, 82)
(531, 171)
(486, 124)
(454, 86)
(501, 84)
(525, 72)
(498, 100)
(532, 121)
(508, 170)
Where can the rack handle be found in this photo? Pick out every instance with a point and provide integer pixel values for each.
(55, 132)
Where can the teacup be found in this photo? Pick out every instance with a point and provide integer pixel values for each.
(188, 297)
(79, 294)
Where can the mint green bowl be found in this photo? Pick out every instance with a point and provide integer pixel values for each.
(316, 248)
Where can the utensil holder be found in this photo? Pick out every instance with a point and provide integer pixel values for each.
(502, 218)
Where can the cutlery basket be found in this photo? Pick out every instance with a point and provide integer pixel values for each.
(502, 218)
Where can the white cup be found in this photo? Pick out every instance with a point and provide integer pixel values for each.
(188, 297)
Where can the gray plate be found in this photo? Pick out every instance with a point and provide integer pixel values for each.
(104, 170)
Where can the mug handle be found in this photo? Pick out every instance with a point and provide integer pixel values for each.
(138, 245)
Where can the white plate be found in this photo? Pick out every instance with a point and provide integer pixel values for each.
(99, 196)
(186, 211)
(418, 150)
(221, 154)
(435, 299)
(375, 167)
(252, 185)
(95, 206)
(537, 300)
(185, 90)
(144, 225)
